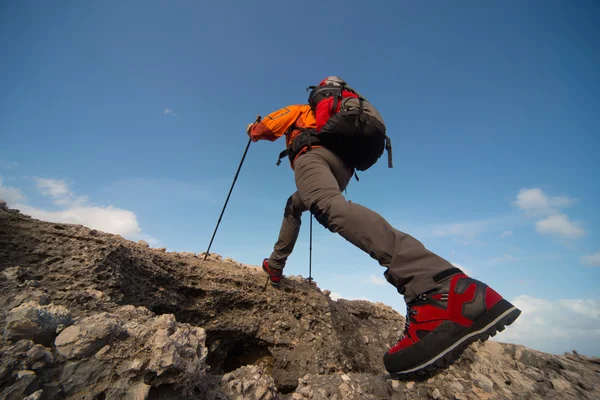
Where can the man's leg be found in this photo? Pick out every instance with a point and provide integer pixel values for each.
(411, 267)
(447, 310)
(288, 234)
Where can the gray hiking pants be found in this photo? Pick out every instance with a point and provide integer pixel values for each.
(321, 176)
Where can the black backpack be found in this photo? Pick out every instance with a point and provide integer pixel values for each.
(348, 124)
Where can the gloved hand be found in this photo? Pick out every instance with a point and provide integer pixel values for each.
(249, 127)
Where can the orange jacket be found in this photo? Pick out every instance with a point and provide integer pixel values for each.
(279, 122)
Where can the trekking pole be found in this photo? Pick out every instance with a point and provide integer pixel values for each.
(310, 253)
(230, 190)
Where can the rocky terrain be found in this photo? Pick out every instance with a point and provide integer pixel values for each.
(89, 315)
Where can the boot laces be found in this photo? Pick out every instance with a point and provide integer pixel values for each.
(410, 311)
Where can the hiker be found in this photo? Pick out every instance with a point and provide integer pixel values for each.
(338, 132)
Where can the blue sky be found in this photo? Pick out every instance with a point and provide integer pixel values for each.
(130, 116)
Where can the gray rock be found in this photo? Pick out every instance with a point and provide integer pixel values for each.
(88, 336)
(38, 357)
(482, 381)
(249, 382)
(85, 378)
(35, 396)
(125, 353)
(18, 274)
(36, 322)
(351, 386)
(24, 385)
(560, 384)
(182, 351)
(296, 336)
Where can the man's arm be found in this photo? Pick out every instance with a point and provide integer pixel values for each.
(274, 125)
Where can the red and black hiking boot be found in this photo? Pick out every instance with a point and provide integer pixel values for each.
(274, 274)
(441, 323)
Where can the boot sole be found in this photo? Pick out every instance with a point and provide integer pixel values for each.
(481, 330)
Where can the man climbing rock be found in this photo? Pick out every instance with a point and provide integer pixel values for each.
(338, 132)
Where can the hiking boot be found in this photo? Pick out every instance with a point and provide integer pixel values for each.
(441, 323)
(274, 274)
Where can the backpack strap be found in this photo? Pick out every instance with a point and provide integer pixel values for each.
(282, 155)
(359, 124)
(287, 151)
(337, 99)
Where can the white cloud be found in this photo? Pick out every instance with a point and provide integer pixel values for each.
(377, 280)
(556, 325)
(336, 296)
(535, 202)
(53, 187)
(592, 259)
(560, 225)
(106, 219)
(9, 194)
(506, 233)
(587, 308)
(59, 191)
(75, 209)
(168, 112)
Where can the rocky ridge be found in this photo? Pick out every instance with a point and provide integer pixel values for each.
(90, 315)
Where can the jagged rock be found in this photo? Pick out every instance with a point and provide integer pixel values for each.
(35, 322)
(18, 274)
(149, 324)
(351, 386)
(211, 256)
(38, 357)
(230, 260)
(143, 243)
(249, 382)
(35, 396)
(175, 349)
(24, 385)
(187, 254)
(126, 353)
(87, 336)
